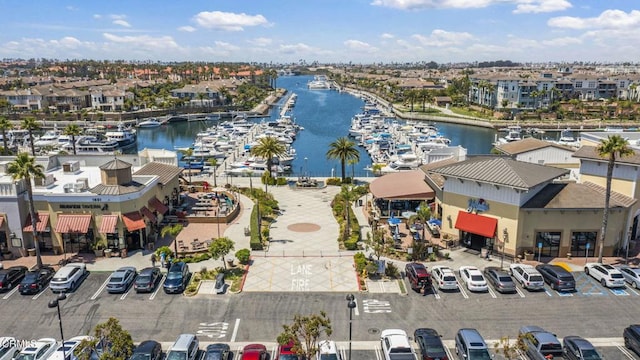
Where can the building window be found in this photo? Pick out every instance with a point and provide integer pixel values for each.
(583, 243)
(578, 84)
(548, 243)
(592, 84)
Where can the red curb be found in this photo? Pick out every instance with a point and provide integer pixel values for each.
(244, 277)
(357, 276)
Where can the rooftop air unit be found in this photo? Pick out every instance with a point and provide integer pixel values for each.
(71, 167)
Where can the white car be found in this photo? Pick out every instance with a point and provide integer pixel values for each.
(38, 350)
(607, 275)
(327, 350)
(68, 277)
(473, 278)
(527, 276)
(9, 347)
(65, 351)
(631, 275)
(395, 345)
(444, 278)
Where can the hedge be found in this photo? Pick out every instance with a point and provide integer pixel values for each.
(255, 242)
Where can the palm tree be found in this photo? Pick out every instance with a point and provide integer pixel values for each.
(344, 150)
(31, 124)
(172, 231)
(614, 147)
(348, 195)
(73, 130)
(267, 148)
(5, 125)
(24, 168)
(213, 162)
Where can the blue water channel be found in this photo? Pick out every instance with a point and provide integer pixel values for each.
(325, 116)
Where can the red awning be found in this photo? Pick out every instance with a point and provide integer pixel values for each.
(133, 221)
(146, 212)
(476, 224)
(71, 223)
(43, 223)
(108, 225)
(158, 205)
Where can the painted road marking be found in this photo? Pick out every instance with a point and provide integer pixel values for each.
(15, 289)
(355, 309)
(564, 293)
(153, 295)
(213, 330)
(435, 292)
(519, 292)
(626, 352)
(464, 293)
(235, 330)
(493, 294)
(36, 296)
(300, 277)
(633, 291)
(124, 296)
(373, 306)
(619, 292)
(547, 292)
(104, 285)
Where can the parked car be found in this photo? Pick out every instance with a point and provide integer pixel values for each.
(473, 278)
(395, 345)
(499, 279)
(9, 347)
(527, 276)
(177, 278)
(36, 280)
(430, 344)
(417, 275)
(285, 352)
(254, 352)
(444, 277)
(631, 336)
(607, 275)
(327, 350)
(558, 278)
(147, 350)
(11, 277)
(38, 350)
(65, 351)
(540, 344)
(217, 351)
(121, 279)
(68, 277)
(470, 345)
(186, 347)
(147, 279)
(577, 348)
(631, 275)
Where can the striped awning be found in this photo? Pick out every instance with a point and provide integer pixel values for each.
(73, 224)
(158, 205)
(43, 223)
(146, 212)
(108, 224)
(133, 221)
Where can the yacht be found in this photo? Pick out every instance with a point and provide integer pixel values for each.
(514, 133)
(126, 137)
(150, 123)
(92, 145)
(49, 138)
(567, 138)
(319, 82)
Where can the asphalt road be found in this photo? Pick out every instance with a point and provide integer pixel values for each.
(591, 312)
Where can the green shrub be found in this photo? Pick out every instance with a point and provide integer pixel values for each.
(282, 181)
(360, 261)
(334, 181)
(391, 270)
(243, 256)
(254, 242)
(164, 250)
(371, 269)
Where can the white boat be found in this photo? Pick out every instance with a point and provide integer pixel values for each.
(514, 133)
(49, 138)
(319, 82)
(126, 137)
(150, 123)
(92, 145)
(404, 162)
(567, 138)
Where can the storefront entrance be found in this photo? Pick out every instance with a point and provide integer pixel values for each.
(550, 242)
(583, 243)
(475, 241)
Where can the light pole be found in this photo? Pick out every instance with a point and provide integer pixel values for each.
(306, 167)
(55, 303)
(351, 305)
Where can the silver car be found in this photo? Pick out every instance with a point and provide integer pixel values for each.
(631, 275)
(499, 279)
(121, 279)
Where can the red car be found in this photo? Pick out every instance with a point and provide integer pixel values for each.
(254, 352)
(285, 352)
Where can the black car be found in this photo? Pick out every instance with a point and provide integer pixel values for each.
(577, 348)
(12, 276)
(218, 352)
(147, 279)
(558, 278)
(430, 343)
(631, 335)
(36, 280)
(147, 350)
(177, 278)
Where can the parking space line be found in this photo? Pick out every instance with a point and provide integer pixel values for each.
(547, 292)
(158, 287)
(519, 292)
(343, 352)
(619, 292)
(104, 285)
(355, 309)
(633, 291)
(493, 294)
(378, 351)
(124, 296)
(15, 289)
(464, 293)
(449, 353)
(563, 293)
(235, 330)
(625, 351)
(435, 292)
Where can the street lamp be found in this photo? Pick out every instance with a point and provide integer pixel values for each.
(351, 305)
(55, 303)
(306, 167)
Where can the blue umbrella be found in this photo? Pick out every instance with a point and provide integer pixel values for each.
(394, 221)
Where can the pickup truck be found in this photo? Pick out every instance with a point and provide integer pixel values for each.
(540, 344)
(395, 345)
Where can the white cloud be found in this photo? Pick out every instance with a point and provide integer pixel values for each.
(228, 21)
(361, 46)
(143, 41)
(562, 41)
(439, 37)
(225, 45)
(187, 28)
(261, 41)
(387, 36)
(295, 48)
(608, 19)
(97, 16)
(117, 16)
(522, 6)
(122, 23)
(71, 8)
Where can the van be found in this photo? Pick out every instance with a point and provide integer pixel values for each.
(471, 346)
(185, 348)
(559, 278)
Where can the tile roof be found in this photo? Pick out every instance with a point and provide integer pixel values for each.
(115, 164)
(528, 144)
(437, 179)
(576, 196)
(590, 152)
(164, 171)
(102, 189)
(501, 171)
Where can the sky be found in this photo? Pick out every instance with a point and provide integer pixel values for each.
(326, 31)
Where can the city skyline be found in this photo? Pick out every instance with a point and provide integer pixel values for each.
(358, 31)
